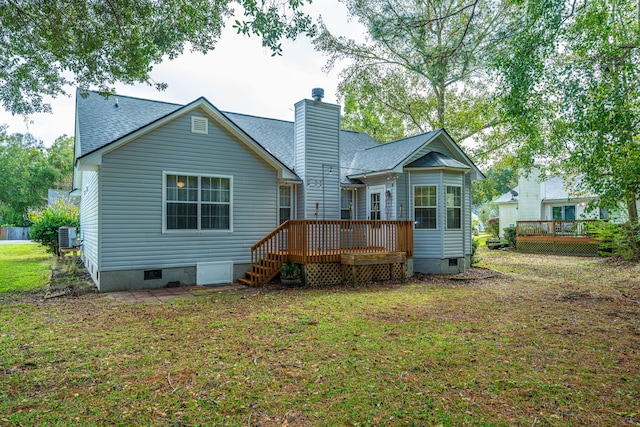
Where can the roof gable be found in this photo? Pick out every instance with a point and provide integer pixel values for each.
(398, 154)
(436, 160)
(94, 156)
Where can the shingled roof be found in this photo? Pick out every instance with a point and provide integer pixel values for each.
(102, 121)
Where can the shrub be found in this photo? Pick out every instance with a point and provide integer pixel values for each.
(290, 269)
(474, 251)
(619, 239)
(46, 223)
(493, 226)
(475, 227)
(510, 235)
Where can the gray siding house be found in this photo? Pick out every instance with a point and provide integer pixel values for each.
(180, 193)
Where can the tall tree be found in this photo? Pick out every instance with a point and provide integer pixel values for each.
(424, 61)
(48, 44)
(28, 170)
(571, 94)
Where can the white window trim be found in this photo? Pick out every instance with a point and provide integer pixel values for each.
(198, 230)
(293, 201)
(413, 205)
(446, 208)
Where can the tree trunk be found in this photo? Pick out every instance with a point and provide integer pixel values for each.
(632, 207)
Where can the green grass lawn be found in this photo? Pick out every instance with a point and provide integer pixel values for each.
(23, 268)
(534, 340)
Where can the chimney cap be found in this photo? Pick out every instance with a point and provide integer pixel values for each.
(317, 93)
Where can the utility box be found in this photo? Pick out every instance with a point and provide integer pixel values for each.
(67, 237)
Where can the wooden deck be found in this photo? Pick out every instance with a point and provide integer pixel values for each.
(316, 241)
(568, 237)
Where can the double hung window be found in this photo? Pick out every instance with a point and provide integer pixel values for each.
(198, 202)
(454, 207)
(425, 199)
(285, 203)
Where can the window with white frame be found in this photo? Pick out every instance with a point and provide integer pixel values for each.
(346, 204)
(197, 202)
(286, 203)
(454, 207)
(425, 203)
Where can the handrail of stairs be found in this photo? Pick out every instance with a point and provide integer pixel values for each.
(268, 255)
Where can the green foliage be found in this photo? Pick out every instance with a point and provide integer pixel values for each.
(493, 226)
(474, 251)
(28, 170)
(46, 223)
(510, 235)
(422, 68)
(570, 95)
(50, 46)
(619, 239)
(290, 269)
(499, 179)
(487, 210)
(475, 227)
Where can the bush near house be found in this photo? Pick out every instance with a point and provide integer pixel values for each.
(619, 239)
(46, 223)
(510, 236)
(493, 226)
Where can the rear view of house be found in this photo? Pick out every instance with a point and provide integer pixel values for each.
(181, 193)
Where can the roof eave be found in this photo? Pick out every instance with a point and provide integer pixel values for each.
(373, 173)
(431, 168)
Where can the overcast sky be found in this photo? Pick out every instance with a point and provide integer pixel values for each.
(238, 76)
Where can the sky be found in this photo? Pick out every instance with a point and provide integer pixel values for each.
(239, 76)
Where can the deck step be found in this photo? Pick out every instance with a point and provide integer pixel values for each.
(246, 282)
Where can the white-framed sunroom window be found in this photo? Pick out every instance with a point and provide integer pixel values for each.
(425, 205)
(197, 202)
(454, 207)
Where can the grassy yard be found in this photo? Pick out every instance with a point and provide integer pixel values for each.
(533, 340)
(23, 267)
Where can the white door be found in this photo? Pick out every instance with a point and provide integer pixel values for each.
(375, 202)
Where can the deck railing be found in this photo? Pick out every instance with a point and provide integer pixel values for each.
(311, 241)
(316, 241)
(560, 228)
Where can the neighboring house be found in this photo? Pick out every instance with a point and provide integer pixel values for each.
(542, 198)
(54, 196)
(181, 192)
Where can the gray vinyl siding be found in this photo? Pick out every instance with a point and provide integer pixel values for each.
(402, 197)
(454, 240)
(466, 213)
(317, 152)
(428, 243)
(131, 198)
(89, 220)
(361, 200)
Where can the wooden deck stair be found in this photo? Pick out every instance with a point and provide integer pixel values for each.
(265, 270)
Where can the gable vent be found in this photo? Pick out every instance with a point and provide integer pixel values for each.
(199, 125)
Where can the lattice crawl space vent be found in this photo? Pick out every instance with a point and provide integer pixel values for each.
(199, 125)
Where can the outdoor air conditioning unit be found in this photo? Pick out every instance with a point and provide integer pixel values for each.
(67, 237)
